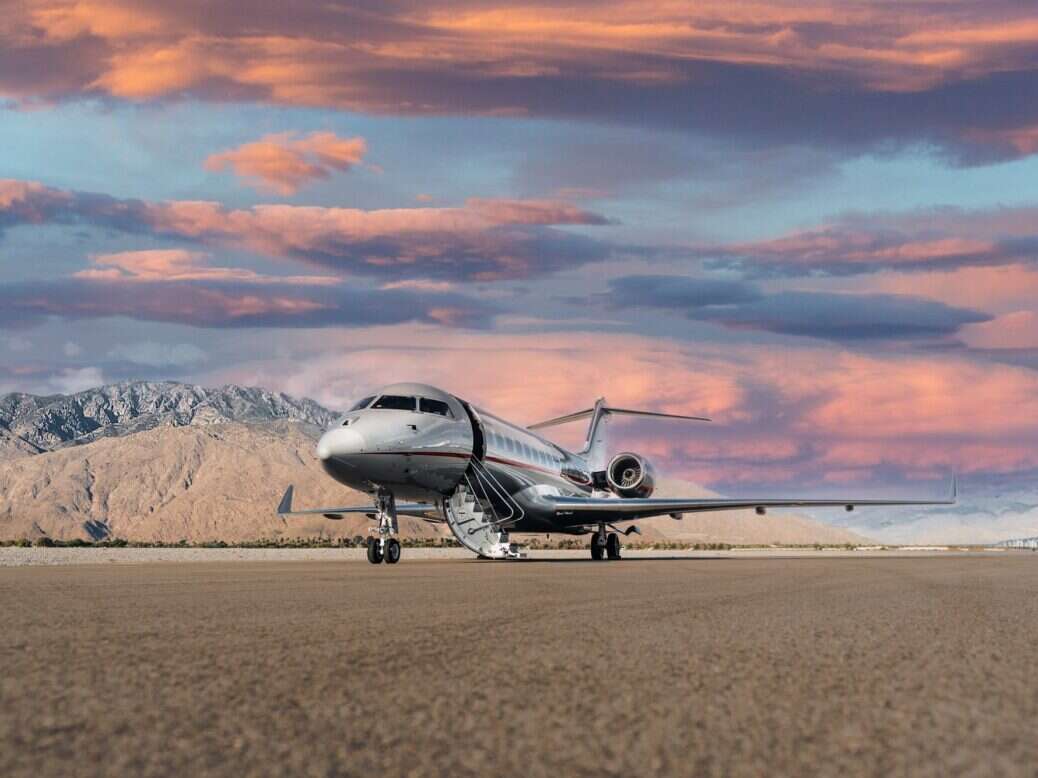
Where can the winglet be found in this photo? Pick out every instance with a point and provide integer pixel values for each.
(285, 506)
(955, 488)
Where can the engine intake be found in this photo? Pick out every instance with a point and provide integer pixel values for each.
(628, 475)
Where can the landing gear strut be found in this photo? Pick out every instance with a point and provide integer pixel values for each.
(385, 546)
(605, 544)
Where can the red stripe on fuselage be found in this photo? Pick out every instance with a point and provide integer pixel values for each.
(513, 463)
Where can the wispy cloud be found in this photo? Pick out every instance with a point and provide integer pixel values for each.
(182, 265)
(940, 238)
(482, 240)
(230, 303)
(827, 315)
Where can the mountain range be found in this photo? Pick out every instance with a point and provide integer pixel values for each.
(165, 461)
(31, 424)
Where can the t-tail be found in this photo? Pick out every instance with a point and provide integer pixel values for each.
(596, 449)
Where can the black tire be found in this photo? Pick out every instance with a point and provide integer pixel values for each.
(374, 551)
(392, 555)
(613, 546)
(596, 549)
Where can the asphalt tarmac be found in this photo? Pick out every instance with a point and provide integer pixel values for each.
(716, 666)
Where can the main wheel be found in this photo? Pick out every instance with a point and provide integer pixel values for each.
(392, 551)
(596, 549)
(613, 546)
(374, 551)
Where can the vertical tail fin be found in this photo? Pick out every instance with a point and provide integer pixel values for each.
(596, 448)
(596, 444)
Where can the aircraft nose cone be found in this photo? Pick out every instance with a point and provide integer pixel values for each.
(339, 443)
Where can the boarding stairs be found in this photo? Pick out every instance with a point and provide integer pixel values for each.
(474, 522)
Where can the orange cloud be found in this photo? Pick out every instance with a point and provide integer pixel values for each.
(285, 162)
(520, 59)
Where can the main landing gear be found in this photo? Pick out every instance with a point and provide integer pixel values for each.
(605, 544)
(387, 551)
(385, 548)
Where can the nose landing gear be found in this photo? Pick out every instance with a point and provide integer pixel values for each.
(385, 547)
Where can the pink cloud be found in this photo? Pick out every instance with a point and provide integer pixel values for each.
(483, 239)
(1015, 330)
(915, 240)
(800, 415)
(998, 289)
(182, 265)
(285, 162)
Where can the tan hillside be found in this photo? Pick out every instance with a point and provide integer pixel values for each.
(13, 447)
(196, 483)
(223, 481)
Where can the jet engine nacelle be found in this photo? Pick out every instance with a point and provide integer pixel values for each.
(630, 475)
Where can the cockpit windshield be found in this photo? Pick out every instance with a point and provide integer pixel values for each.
(395, 403)
(362, 404)
(439, 407)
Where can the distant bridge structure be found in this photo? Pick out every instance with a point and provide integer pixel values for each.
(1031, 543)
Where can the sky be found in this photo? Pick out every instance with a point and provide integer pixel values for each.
(815, 222)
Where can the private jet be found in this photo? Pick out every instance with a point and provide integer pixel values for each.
(423, 452)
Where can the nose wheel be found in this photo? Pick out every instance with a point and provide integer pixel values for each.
(385, 548)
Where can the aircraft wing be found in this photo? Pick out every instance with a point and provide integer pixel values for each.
(585, 510)
(421, 510)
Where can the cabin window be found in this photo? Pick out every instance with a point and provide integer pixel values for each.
(362, 404)
(394, 403)
(438, 407)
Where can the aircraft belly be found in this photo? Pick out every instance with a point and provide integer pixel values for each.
(521, 491)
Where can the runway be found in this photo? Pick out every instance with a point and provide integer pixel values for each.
(694, 666)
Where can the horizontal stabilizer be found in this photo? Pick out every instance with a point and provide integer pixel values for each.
(609, 410)
(420, 510)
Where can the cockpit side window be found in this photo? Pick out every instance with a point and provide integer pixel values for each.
(395, 402)
(425, 405)
(362, 404)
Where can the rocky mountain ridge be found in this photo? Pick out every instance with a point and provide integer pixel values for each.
(33, 424)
